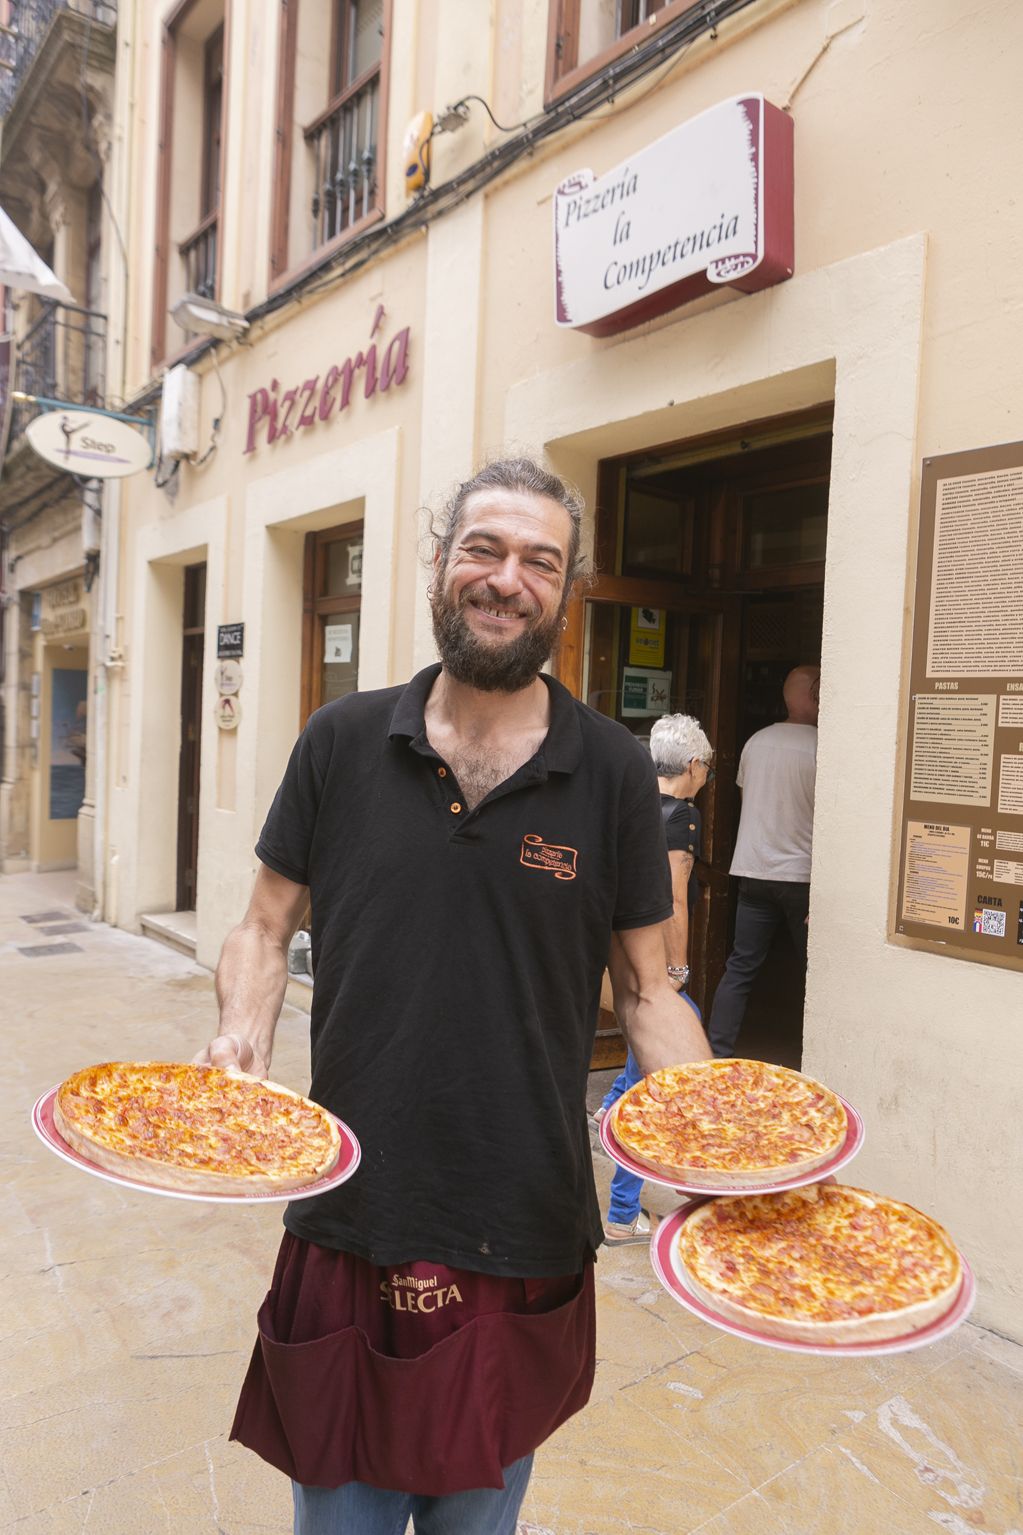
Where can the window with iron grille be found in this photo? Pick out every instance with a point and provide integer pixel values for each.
(328, 171)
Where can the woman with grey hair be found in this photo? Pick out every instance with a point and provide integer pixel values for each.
(683, 758)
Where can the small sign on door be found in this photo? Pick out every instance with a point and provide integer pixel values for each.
(645, 693)
(337, 646)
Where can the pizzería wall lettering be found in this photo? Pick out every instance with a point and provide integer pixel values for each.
(274, 414)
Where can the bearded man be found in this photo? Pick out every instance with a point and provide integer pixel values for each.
(472, 843)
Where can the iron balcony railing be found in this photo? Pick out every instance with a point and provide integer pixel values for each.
(199, 253)
(27, 25)
(344, 145)
(61, 356)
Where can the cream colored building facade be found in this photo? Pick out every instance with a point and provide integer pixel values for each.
(56, 102)
(900, 333)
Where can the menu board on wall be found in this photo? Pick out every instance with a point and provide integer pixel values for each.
(961, 855)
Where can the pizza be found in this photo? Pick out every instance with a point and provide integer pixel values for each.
(195, 1128)
(825, 1263)
(729, 1123)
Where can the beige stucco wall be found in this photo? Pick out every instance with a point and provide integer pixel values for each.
(905, 311)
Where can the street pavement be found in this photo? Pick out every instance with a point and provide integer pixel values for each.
(128, 1321)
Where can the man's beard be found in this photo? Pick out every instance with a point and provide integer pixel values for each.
(504, 667)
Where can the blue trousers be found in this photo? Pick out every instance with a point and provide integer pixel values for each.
(358, 1509)
(625, 1186)
(764, 905)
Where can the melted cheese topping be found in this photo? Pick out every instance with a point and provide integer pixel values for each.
(824, 1253)
(199, 1118)
(729, 1116)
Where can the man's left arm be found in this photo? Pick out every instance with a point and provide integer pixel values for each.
(662, 1028)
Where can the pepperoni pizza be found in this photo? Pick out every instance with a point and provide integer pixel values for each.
(825, 1263)
(729, 1123)
(195, 1128)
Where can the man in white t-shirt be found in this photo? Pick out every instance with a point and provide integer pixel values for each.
(777, 774)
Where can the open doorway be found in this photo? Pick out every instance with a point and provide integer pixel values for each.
(193, 628)
(710, 589)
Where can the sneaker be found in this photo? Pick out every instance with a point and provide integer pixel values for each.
(618, 1235)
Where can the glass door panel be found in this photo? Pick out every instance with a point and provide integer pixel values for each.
(641, 663)
(340, 652)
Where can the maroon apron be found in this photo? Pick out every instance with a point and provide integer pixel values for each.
(414, 1377)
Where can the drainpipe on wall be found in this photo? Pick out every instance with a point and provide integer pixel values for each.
(107, 658)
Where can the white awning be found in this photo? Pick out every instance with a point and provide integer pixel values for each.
(21, 268)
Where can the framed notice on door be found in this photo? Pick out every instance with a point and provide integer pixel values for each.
(960, 884)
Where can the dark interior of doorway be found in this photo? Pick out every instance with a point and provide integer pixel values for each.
(780, 629)
(727, 541)
(193, 628)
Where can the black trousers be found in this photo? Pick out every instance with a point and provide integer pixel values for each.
(763, 905)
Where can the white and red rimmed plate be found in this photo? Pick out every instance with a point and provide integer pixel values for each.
(347, 1162)
(845, 1153)
(668, 1268)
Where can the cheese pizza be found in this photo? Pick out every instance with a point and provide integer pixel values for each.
(195, 1128)
(821, 1264)
(729, 1123)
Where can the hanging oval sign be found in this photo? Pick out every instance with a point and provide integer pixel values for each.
(94, 446)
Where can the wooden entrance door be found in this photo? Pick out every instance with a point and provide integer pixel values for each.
(331, 607)
(727, 553)
(193, 626)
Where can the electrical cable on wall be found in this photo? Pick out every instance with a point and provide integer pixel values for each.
(668, 46)
(197, 463)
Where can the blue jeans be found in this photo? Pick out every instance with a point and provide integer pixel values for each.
(358, 1509)
(764, 905)
(625, 1186)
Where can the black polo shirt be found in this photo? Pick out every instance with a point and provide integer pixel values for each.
(683, 827)
(458, 957)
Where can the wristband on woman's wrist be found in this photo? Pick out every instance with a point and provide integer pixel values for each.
(679, 975)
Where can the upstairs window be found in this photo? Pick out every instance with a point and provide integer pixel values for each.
(212, 113)
(191, 157)
(331, 108)
(586, 35)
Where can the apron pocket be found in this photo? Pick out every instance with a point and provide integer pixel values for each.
(335, 1410)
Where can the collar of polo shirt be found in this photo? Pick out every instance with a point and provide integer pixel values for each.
(562, 745)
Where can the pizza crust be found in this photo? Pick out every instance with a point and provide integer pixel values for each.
(184, 1179)
(874, 1327)
(734, 1178)
(731, 1176)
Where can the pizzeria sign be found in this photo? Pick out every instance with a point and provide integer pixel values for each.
(709, 204)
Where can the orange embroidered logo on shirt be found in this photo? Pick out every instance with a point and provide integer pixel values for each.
(538, 854)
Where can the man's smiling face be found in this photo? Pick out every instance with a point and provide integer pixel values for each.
(502, 592)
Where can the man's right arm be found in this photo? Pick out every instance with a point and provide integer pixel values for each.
(252, 975)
